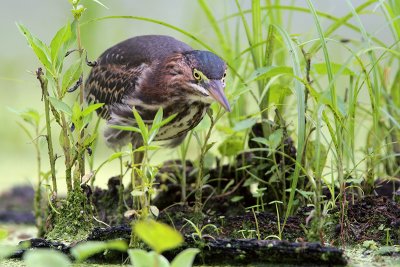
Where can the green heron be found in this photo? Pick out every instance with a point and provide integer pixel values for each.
(153, 71)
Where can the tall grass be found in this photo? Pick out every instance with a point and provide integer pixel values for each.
(294, 87)
(329, 124)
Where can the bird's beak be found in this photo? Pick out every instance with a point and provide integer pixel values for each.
(216, 90)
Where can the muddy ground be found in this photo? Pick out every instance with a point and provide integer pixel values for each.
(236, 234)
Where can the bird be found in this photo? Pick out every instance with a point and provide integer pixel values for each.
(150, 72)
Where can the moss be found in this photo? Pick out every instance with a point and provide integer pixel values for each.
(74, 220)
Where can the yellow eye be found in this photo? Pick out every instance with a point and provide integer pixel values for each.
(197, 74)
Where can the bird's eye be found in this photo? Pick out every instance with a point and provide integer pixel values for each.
(197, 74)
(224, 75)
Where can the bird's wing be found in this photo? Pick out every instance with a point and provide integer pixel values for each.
(108, 83)
(120, 67)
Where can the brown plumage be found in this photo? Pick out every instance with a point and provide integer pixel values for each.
(153, 71)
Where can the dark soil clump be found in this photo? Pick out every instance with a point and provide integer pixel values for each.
(16, 205)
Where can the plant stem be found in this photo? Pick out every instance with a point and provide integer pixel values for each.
(199, 180)
(81, 157)
(38, 191)
(120, 193)
(45, 96)
(67, 152)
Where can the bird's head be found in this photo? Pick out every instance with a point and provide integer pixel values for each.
(201, 74)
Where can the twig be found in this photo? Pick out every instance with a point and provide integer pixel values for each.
(45, 97)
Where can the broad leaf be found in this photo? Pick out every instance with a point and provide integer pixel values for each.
(244, 124)
(60, 106)
(6, 251)
(116, 156)
(278, 93)
(58, 46)
(76, 117)
(275, 138)
(46, 258)
(30, 116)
(71, 76)
(231, 146)
(142, 258)
(185, 258)
(261, 140)
(159, 236)
(39, 48)
(92, 107)
(85, 250)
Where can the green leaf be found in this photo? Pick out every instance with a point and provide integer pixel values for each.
(244, 124)
(30, 116)
(142, 258)
(166, 121)
(39, 48)
(76, 117)
(91, 108)
(116, 156)
(158, 117)
(311, 155)
(144, 131)
(231, 146)
(321, 69)
(71, 75)
(45, 258)
(89, 139)
(3, 233)
(185, 258)
(275, 138)
(59, 46)
(126, 128)
(261, 140)
(236, 198)
(143, 148)
(6, 251)
(155, 211)
(155, 125)
(209, 146)
(72, 38)
(159, 236)
(60, 106)
(278, 93)
(85, 250)
(268, 72)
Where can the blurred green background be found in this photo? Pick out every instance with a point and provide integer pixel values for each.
(19, 88)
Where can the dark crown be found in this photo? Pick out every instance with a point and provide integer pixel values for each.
(208, 63)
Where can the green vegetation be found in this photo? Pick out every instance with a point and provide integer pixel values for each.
(312, 121)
